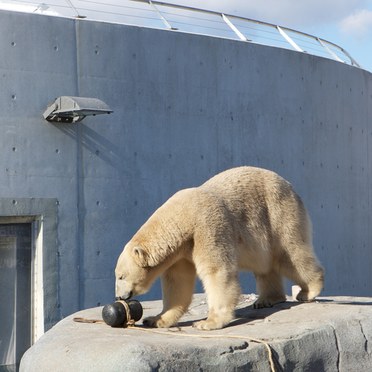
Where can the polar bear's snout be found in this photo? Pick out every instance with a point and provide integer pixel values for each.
(121, 290)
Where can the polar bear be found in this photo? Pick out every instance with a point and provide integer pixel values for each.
(245, 218)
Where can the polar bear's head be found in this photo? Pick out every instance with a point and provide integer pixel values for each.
(134, 272)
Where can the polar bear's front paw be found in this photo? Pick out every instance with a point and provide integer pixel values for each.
(150, 321)
(156, 322)
(208, 325)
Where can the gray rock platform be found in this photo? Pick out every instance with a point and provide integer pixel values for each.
(331, 334)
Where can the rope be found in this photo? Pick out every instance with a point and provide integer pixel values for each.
(130, 325)
(85, 320)
(130, 322)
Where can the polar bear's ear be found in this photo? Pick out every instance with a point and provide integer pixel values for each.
(143, 258)
(140, 256)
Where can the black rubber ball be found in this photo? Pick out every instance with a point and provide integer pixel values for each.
(136, 310)
(114, 314)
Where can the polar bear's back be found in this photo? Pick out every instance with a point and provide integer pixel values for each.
(244, 178)
(250, 185)
(263, 201)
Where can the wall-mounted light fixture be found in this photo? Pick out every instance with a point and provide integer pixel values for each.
(66, 109)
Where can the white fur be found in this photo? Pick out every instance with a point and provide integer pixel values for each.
(242, 219)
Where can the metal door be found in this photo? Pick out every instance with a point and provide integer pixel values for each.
(15, 294)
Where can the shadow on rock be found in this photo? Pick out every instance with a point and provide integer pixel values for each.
(248, 313)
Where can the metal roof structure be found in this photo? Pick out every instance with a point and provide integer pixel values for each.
(157, 14)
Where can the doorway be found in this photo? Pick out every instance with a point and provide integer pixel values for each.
(15, 293)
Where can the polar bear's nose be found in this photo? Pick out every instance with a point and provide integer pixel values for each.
(125, 297)
(130, 294)
(123, 290)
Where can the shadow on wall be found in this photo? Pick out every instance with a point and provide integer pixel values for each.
(93, 142)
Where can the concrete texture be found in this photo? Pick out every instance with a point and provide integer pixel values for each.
(332, 334)
(185, 107)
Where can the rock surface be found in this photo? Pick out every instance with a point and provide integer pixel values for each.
(332, 334)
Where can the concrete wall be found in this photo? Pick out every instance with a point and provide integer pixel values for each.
(185, 107)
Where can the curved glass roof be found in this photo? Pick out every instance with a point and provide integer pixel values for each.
(179, 18)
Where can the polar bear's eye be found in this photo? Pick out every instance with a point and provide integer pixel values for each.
(121, 277)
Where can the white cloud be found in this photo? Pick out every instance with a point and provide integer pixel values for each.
(290, 13)
(358, 24)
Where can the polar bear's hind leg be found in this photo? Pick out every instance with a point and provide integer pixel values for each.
(270, 290)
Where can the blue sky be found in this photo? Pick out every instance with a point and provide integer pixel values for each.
(347, 23)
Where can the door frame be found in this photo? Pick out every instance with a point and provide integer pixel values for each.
(41, 213)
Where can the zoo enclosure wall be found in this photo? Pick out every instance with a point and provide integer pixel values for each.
(185, 107)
